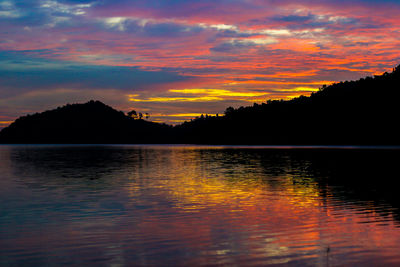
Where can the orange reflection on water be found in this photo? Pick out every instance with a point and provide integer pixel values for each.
(275, 219)
(191, 205)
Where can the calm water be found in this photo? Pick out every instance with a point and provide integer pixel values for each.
(187, 206)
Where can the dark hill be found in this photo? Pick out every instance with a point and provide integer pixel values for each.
(363, 112)
(92, 122)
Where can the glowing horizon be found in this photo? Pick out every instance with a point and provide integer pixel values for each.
(184, 56)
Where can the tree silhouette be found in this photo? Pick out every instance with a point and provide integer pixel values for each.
(92, 122)
(362, 112)
(346, 113)
(138, 115)
(229, 111)
(133, 114)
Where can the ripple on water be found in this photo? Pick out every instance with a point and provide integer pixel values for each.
(188, 205)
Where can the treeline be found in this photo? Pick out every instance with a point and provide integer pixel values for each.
(92, 122)
(359, 112)
(362, 112)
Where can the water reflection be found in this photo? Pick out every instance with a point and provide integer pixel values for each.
(160, 205)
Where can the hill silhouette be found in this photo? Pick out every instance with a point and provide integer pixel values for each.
(92, 122)
(362, 112)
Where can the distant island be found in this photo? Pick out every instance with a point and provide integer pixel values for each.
(362, 112)
(91, 123)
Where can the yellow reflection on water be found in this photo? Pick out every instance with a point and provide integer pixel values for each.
(192, 185)
(278, 216)
(202, 205)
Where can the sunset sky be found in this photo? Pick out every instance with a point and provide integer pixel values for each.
(176, 59)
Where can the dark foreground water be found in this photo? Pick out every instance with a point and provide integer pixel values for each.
(189, 206)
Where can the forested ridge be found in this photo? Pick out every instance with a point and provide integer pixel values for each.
(362, 112)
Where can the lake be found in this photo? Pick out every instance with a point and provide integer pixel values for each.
(160, 205)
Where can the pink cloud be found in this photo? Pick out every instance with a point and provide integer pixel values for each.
(239, 45)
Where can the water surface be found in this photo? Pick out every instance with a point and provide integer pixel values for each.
(198, 205)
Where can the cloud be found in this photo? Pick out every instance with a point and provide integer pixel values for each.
(19, 73)
(201, 95)
(150, 47)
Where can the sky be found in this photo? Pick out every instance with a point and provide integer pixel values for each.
(177, 59)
